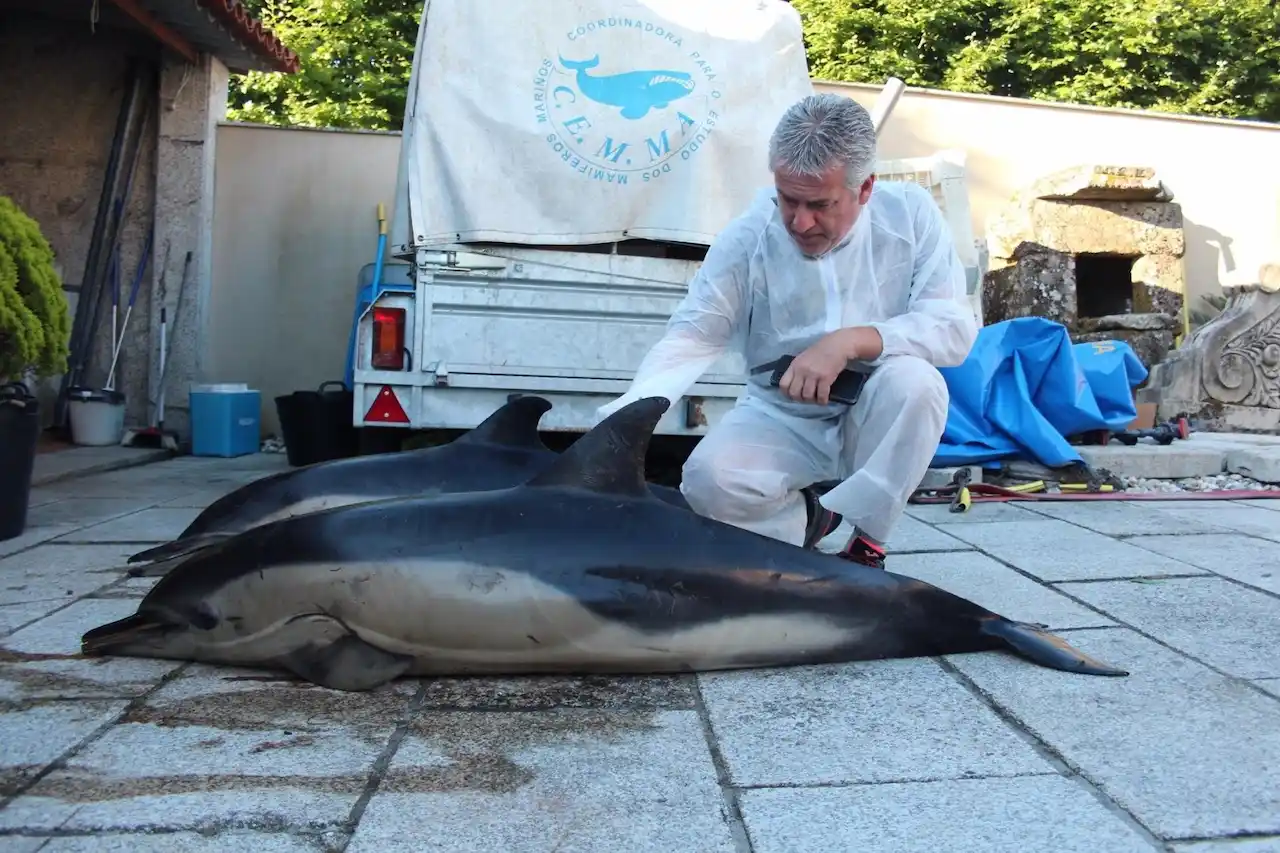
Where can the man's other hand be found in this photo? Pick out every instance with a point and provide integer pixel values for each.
(809, 377)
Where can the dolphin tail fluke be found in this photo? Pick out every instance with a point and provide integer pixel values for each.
(580, 64)
(1038, 645)
(169, 550)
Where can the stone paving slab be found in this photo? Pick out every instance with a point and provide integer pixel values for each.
(1130, 518)
(83, 511)
(1261, 503)
(177, 842)
(34, 536)
(1188, 752)
(941, 514)
(883, 721)
(535, 781)
(59, 573)
(1242, 845)
(1055, 550)
(82, 461)
(149, 525)
(1041, 813)
(37, 735)
(42, 661)
(885, 753)
(909, 536)
(1251, 561)
(993, 585)
(1271, 685)
(1234, 629)
(1238, 517)
(210, 750)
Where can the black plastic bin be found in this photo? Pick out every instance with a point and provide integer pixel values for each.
(19, 434)
(316, 425)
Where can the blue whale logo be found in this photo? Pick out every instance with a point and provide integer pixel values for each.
(636, 92)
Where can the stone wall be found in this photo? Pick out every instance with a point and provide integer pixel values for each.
(55, 139)
(1096, 248)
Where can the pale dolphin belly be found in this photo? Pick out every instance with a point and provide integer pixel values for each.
(459, 617)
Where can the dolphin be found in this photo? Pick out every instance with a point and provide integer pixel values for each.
(580, 570)
(505, 449)
(636, 92)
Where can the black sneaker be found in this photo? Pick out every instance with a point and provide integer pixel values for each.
(822, 521)
(859, 550)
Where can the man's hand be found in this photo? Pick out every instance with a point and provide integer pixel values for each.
(809, 377)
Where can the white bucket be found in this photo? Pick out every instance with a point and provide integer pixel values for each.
(97, 416)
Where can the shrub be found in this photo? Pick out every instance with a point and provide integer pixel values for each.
(35, 323)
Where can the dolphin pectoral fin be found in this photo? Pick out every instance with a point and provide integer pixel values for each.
(1038, 645)
(635, 111)
(347, 663)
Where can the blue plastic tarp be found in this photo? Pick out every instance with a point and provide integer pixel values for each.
(1025, 388)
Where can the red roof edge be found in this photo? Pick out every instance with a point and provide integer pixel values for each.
(252, 33)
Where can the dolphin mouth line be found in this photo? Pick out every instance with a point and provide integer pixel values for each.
(682, 82)
(105, 639)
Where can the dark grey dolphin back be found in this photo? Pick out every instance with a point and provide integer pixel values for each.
(513, 425)
(609, 458)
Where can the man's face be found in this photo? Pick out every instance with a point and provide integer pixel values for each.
(818, 213)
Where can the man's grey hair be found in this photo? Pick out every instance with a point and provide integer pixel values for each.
(823, 129)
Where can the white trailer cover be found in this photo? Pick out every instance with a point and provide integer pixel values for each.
(569, 122)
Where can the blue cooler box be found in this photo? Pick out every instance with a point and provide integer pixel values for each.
(225, 420)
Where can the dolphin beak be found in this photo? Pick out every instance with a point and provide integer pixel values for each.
(129, 632)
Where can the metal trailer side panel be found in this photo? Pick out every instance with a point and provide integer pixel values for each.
(574, 326)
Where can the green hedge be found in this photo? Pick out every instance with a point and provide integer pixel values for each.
(35, 323)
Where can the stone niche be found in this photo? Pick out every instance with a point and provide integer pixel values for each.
(1226, 374)
(1096, 248)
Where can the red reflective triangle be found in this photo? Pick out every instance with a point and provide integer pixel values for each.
(386, 408)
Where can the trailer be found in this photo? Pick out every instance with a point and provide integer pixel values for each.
(563, 169)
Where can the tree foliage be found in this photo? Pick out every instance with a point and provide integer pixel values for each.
(355, 61)
(1202, 57)
(35, 324)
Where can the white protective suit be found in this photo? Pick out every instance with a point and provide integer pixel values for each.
(898, 271)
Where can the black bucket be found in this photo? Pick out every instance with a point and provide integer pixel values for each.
(316, 425)
(19, 434)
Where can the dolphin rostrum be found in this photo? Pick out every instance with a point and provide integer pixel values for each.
(503, 450)
(636, 92)
(580, 570)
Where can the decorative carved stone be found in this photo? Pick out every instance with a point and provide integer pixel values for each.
(1227, 372)
(1086, 245)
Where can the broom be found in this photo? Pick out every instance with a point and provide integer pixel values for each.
(156, 436)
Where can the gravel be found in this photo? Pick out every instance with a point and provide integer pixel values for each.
(1212, 483)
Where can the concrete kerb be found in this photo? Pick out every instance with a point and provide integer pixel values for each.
(55, 470)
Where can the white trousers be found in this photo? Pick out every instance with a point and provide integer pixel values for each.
(748, 469)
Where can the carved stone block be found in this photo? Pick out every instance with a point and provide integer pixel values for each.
(1227, 372)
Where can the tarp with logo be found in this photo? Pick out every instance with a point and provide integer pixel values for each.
(593, 120)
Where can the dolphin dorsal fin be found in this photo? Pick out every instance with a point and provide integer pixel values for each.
(610, 457)
(513, 425)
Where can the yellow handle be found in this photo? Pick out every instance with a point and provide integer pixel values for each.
(382, 219)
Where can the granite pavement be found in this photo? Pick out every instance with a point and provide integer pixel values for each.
(966, 753)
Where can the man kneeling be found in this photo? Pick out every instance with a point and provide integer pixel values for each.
(831, 267)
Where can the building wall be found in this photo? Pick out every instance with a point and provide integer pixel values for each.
(294, 217)
(60, 95)
(1224, 174)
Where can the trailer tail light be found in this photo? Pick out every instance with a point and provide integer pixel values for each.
(388, 338)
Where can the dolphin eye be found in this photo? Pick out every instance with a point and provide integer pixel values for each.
(202, 617)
